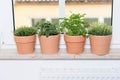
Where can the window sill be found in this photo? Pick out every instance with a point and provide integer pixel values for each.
(11, 54)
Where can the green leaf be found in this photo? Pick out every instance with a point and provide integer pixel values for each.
(74, 25)
(47, 28)
(25, 31)
(100, 29)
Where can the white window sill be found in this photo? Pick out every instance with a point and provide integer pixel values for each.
(11, 54)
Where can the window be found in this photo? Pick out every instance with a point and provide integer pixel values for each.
(29, 12)
(6, 17)
(95, 10)
(36, 20)
(55, 20)
(91, 20)
(107, 20)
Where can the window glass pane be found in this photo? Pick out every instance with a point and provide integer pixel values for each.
(29, 12)
(56, 21)
(107, 20)
(97, 10)
(36, 20)
(91, 19)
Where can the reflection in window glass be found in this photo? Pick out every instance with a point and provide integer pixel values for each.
(29, 12)
(95, 10)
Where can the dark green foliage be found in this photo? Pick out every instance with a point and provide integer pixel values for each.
(100, 29)
(25, 31)
(74, 25)
(47, 28)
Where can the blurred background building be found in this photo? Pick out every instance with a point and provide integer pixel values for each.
(29, 12)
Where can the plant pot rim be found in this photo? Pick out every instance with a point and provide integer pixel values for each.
(25, 36)
(74, 36)
(49, 36)
(100, 36)
(68, 38)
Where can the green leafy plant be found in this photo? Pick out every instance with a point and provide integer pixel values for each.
(25, 31)
(47, 28)
(100, 29)
(74, 25)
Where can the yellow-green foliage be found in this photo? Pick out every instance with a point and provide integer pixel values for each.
(100, 29)
(25, 31)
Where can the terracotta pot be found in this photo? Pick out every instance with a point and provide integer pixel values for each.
(74, 44)
(100, 45)
(49, 45)
(25, 44)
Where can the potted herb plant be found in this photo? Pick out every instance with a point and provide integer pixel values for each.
(25, 38)
(100, 38)
(74, 31)
(49, 37)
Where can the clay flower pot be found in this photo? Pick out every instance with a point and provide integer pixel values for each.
(100, 45)
(25, 44)
(74, 44)
(49, 45)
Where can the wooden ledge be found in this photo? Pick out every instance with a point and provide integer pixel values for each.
(11, 54)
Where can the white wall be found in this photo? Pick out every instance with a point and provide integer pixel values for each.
(116, 22)
(6, 21)
(30, 70)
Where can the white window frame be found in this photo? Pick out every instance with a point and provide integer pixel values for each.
(6, 24)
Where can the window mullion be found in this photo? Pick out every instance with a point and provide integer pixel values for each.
(61, 8)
